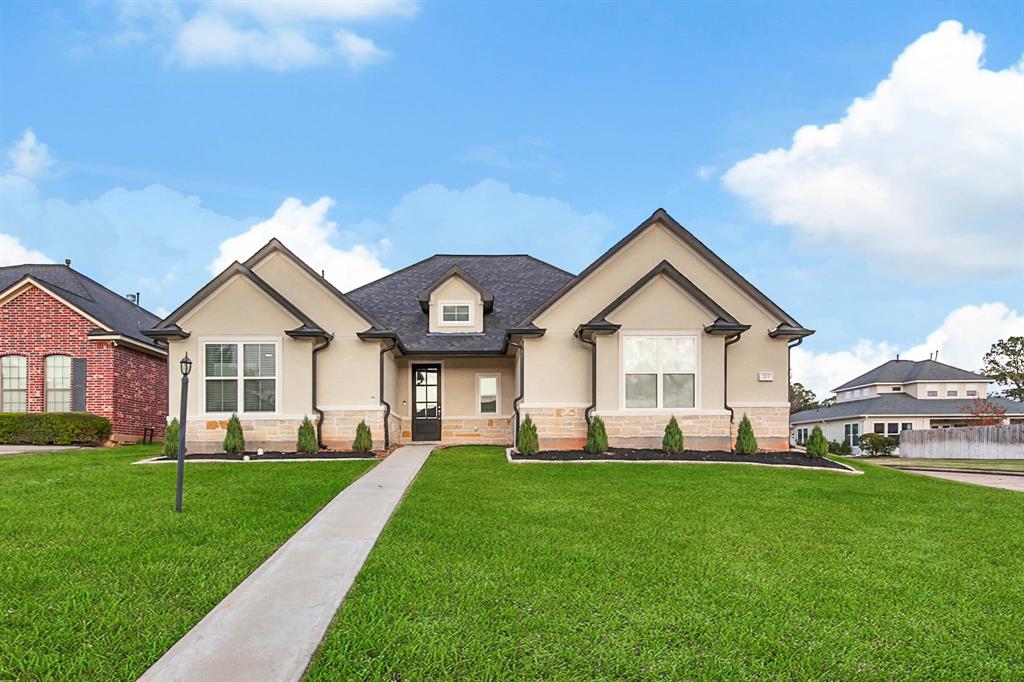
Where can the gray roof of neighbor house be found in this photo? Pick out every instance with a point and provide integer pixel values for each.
(897, 405)
(903, 371)
(115, 312)
(518, 284)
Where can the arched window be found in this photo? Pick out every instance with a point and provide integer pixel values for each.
(58, 383)
(13, 384)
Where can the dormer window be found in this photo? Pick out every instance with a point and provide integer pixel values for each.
(456, 313)
(897, 388)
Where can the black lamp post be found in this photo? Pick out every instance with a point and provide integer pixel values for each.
(186, 367)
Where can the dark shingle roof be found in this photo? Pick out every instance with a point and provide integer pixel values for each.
(519, 284)
(902, 371)
(116, 312)
(899, 404)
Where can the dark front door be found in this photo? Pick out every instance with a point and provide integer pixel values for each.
(426, 402)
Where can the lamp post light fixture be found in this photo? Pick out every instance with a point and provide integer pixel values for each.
(186, 367)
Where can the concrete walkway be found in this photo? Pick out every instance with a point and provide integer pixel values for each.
(269, 627)
(1005, 481)
(22, 449)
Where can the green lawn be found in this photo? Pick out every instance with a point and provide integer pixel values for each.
(99, 576)
(987, 464)
(496, 571)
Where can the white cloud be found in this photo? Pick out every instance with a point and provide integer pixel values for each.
(278, 36)
(925, 171)
(961, 340)
(13, 252)
(29, 157)
(705, 173)
(307, 232)
(358, 52)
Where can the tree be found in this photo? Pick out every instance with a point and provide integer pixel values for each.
(306, 443)
(597, 437)
(801, 398)
(672, 443)
(171, 434)
(1004, 363)
(746, 444)
(234, 441)
(526, 442)
(986, 413)
(364, 439)
(817, 445)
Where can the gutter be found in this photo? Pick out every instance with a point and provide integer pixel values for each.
(522, 385)
(593, 374)
(384, 403)
(725, 375)
(319, 412)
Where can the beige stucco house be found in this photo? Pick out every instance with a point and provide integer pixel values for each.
(458, 349)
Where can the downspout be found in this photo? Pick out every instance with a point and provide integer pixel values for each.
(789, 363)
(384, 403)
(593, 375)
(522, 386)
(319, 412)
(725, 372)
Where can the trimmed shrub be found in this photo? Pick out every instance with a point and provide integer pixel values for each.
(840, 448)
(877, 445)
(306, 443)
(527, 442)
(816, 445)
(53, 428)
(171, 434)
(746, 444)
(597, 437)
(364, 439)
(672, 443)
(234, 441)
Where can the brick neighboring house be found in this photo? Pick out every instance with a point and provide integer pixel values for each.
(68, 343)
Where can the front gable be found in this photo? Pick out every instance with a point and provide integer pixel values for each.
(660, 238)
(447, 300)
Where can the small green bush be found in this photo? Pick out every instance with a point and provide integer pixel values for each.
(746, 444)
(816, 445)
(527, 442)
(306, 443)
(877, 445)
(840, 448)
(364, 439)
(597, 437)
(171, 434)
(53, 428)
(672, 443)
(234, 441)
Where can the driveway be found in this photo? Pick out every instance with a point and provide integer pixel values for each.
(1004, 481)
(18, 449)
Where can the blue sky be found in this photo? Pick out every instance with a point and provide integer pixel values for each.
(167, 140)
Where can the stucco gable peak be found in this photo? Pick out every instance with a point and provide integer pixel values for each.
(456, 271)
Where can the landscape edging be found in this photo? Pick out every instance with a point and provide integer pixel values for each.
(847, 469)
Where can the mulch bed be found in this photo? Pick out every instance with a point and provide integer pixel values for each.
(791, 458)
(267, 455)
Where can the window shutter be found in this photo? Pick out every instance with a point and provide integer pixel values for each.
(78, 380)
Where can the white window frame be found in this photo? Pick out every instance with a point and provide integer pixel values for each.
(46, 382)
(971, 390)
(23, 391)
(696, 335)
(929, 388)
(458, 323)
(497, 398)
(240, 342)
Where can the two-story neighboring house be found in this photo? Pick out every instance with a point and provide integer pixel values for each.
(898, 396)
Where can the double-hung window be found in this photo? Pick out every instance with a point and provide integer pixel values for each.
(58, 383)
(487, 393)
(659, 371)
(240, 374)
(13, 384)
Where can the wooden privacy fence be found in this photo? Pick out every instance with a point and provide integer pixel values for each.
(965, 442)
